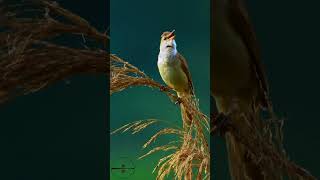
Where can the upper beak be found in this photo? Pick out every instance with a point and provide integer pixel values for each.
(171, 36)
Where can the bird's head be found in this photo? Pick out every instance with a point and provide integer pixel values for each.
(168, 42)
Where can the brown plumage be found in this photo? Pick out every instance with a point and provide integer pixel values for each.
(185, 69)
(240, 21)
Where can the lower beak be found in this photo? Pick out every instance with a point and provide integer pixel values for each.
(172, 37)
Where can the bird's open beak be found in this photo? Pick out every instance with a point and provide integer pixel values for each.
(171, 35)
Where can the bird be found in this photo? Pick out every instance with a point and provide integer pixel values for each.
(238, 81)
(174, 70)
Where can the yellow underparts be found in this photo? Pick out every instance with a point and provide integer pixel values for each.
(173, 75)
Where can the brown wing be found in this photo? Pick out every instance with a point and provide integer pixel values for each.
(185, 69)
(240, 21)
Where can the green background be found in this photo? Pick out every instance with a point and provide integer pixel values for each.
(136, 27)
(288, 34)
(59, 133)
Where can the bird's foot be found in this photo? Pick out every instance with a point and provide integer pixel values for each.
(220, 123)
(178, 101)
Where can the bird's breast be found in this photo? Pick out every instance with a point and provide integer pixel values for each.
(173, 75)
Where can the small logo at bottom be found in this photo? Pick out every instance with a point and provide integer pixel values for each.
(123, 167)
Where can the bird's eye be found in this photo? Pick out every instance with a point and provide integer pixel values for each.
(165, 38)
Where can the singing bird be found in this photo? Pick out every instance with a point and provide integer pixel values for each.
(238, 79)
(173, 68)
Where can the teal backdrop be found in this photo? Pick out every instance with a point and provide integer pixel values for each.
(136, 27)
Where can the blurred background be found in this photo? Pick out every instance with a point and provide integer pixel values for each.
(136, 27)
(59, 132)
(288, 35)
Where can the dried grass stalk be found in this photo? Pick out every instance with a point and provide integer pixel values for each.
(263, 147)
(30, 61)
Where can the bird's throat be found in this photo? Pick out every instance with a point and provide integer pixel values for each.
(168, 54)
